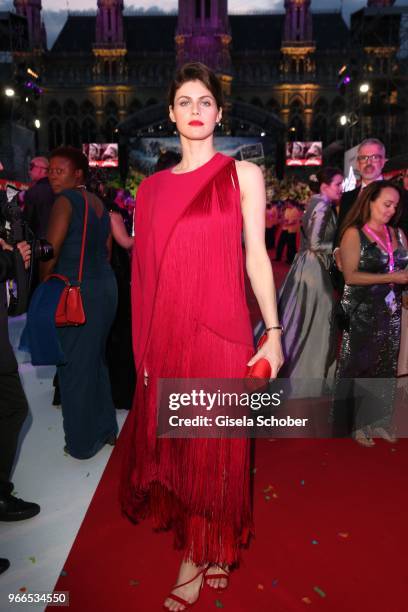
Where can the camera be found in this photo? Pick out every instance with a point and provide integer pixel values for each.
(14, 229)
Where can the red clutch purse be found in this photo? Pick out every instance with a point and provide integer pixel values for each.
(262, 368)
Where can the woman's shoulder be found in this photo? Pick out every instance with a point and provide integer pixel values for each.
(353, 233)
(318, 206)
(247, 167)
(248, 172)
(320, 201)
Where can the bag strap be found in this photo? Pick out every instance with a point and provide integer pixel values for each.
(81, 259)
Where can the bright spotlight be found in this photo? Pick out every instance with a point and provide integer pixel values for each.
(364, 88)
(37, 123)
(343, 119)
(9, 91)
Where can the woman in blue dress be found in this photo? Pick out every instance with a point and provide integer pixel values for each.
(88, 412)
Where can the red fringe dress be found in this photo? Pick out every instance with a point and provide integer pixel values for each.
(190, 319)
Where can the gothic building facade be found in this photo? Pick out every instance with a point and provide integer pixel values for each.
(279, 71)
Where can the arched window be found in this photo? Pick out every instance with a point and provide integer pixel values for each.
(110, 130)
(72, 133)
(88, 130)
(319, 128)
(54, 108)
(70, 108)
(111, 109)
(319, 123)
(296, 128)
(134, 106)
(54, 133)
(321, 107)
(296, 123)
(87, 108)
(273, 106)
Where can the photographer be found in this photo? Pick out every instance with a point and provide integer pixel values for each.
(13, 402)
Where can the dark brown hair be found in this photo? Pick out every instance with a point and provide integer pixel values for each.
(195, 71)
(78, 159)
(326, 175)
(360, 212)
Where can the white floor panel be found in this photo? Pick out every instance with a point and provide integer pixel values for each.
(63, 486)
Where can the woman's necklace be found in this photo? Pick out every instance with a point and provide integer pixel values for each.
(386, 246)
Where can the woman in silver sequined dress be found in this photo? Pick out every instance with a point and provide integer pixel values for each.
(374, 254)
(306, 300)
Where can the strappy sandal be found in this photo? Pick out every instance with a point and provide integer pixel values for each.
(363, 439)
(182, 601)
(217, 576)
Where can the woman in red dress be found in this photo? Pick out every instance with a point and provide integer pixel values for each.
(190, 320)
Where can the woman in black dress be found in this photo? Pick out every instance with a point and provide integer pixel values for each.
(374, 254)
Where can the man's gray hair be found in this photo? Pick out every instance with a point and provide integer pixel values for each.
(371, 141)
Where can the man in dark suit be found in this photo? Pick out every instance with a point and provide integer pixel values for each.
(39, 198)
(13, 403)
(370, 163)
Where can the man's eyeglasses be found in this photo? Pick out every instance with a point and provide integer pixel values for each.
(37, 166)
(365, 158)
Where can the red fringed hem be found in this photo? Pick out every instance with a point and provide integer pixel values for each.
(202, 539)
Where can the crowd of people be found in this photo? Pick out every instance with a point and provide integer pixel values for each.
(176, 309)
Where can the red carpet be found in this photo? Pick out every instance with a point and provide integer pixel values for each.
(331, 534)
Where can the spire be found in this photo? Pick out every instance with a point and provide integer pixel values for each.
(298, 63)
(31, 10)
(298, 21)
(203, 34)
(109, 48)
(109, 23)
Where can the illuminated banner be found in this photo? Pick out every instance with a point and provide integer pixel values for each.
(102, 155)
(300, 153)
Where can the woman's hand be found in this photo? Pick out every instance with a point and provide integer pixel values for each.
(272, 351)
(400, 277)
(405, 300)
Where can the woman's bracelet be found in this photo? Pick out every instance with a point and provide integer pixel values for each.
(280, 327)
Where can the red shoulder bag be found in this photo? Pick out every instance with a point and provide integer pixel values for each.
(70, 309)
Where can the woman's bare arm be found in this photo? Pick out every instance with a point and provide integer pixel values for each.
(58, 225)
(258, 265)
(350, 257)
(119, 231)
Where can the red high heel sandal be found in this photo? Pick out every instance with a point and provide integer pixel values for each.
(217, 576)
(182, 601)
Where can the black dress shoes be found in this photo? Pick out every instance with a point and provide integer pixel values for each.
(15, 509)
(4, 565)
